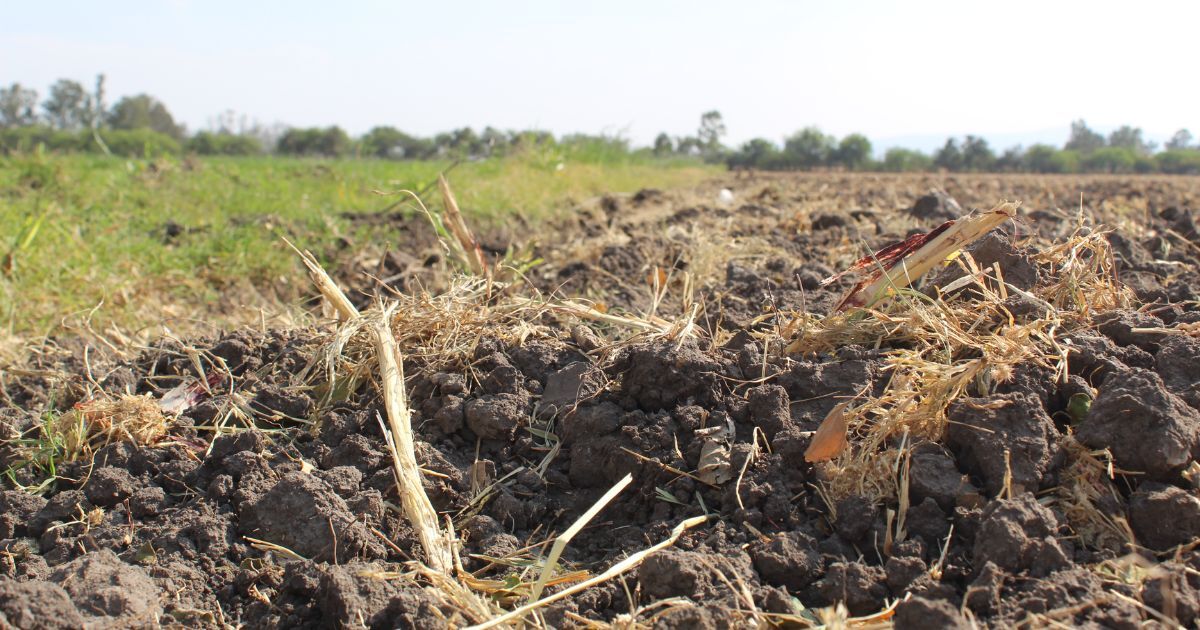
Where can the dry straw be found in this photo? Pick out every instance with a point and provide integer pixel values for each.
(442, 331)
(945, 347)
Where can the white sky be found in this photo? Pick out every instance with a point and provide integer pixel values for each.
(907, 72)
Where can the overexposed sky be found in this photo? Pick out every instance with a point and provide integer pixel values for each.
(907, 72)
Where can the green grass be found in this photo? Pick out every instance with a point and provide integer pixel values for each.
(78, 231)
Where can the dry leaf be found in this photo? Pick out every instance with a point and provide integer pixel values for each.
(714, 467)
(830, 438)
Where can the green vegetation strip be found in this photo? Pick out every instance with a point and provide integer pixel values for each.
(185, 238)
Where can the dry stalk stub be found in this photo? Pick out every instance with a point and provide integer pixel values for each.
(899, 265)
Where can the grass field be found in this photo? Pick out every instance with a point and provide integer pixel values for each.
(136, 243)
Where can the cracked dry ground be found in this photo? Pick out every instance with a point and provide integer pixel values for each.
(1048, 489)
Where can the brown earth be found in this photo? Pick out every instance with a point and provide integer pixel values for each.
(530, 415)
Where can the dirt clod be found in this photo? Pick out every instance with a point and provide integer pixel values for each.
(860, 587)
(109, 486)
(1164, 516)
(1018, 535)
(302, 513)
(919, 613)
(936, 206)
(983, 431)
(101, 585)
(37, 605)
(1148, 428)
(790, 560)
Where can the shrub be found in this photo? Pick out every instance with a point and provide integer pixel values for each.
(138, 142)
(1179, 161)
(209, 143)
(329, 142)
(899, 160)
(25, 139)
(1110, 160)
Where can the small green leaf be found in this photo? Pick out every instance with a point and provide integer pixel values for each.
(1078, 406)
(665, 495)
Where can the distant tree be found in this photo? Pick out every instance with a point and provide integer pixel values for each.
(712, 128)
(757, 153)
(1083, 139)
(1181, 140)
(807, 148)
(1111, 160)
(388, 142)
(464, 142)
(529, 138)
(492, 141)
(977, 155)
(268, 136)
(1042, 159)
(69, 105)
(17, 106)
(1128, 137)
(663, 145)
(229, 122)
(689, 145)
(853, 152)
(1012, 160)
(901, 160)
(1179, 161)
(144, 112)
(594, 148)
(223, 143)
(138, 142)
(949, 157)
(328, 142)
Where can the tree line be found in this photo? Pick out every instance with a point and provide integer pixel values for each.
(73, 117)
(1125, 150)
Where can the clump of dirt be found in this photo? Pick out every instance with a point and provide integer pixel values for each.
(269, 498)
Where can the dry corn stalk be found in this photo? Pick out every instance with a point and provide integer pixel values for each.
(415, 503)
(417, 507)
(465, 244)
(898, 265)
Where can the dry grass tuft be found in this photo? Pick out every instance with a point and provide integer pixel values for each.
(91, 425)
(951, 346)
(1086, 483)
(1085, 277)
